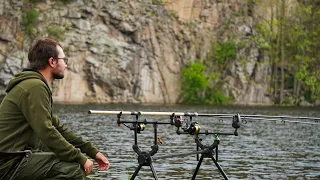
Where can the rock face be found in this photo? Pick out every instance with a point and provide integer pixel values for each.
(248, 77)
(133, 51)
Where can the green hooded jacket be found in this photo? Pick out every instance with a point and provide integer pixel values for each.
(27, 121)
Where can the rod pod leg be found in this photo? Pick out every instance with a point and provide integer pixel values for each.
(220, 169)
(136, 172)
(215, 162)
(153, 172)
(138, 169)
(197, 168)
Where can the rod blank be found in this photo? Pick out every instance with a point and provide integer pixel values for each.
(141, 113)
(243, 116)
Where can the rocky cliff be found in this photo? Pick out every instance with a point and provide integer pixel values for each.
(133, 51)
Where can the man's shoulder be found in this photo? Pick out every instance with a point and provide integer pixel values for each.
(32, 83)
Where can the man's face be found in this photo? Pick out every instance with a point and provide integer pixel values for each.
(58, 71)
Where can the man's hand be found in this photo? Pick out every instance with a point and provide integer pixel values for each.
(102, 161)
(88, 166)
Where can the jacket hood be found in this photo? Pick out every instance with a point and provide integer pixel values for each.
(25, 74)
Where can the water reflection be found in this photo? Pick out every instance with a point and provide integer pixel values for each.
(263, 150)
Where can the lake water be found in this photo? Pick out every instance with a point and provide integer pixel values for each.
(263, 149)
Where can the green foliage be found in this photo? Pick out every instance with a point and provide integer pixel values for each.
(36, 1)
(238, 14)
(31, 17)
(308, 96)
(56, 32)
(196, 86)
(66, 1)
(264, 34)
(30, 21)
(289, 81)
(33, 1)
(292, 35)
(313, 82)
(303, 42)
(158, 2)
(173, 13)
(225, 52)
(287, 101)
(215, 96)
(194, 83)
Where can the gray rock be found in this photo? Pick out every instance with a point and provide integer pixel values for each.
(93, 61)
(82, 24)
(74, 13)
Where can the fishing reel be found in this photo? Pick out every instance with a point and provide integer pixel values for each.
(140, 127)
(189, 128)
(193, 129)
(177, 121)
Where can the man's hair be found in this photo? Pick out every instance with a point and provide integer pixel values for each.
(41, 51)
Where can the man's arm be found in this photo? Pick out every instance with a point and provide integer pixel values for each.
(85, 147)
(74, 139)
(35, 105)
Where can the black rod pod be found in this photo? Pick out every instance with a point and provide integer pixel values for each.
(176, 118)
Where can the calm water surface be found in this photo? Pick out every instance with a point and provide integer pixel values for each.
(263, 150)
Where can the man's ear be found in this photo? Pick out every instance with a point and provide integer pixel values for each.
(52, 62)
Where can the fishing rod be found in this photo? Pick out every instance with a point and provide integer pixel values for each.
(141, 113)
(176, 118)
(283, 119)
(244, 117)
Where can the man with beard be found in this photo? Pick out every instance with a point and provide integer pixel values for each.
(27, 123)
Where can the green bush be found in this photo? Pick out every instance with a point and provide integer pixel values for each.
(215, 96)
(225, 52)
(30, 21)
(196, 87)
(194, 82)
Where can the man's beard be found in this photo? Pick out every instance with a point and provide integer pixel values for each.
(57, 75)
